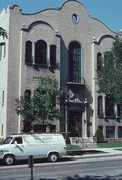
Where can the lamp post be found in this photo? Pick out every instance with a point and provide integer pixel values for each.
(85, 118)
(66, 126)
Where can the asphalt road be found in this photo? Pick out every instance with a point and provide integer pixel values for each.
(108, 168)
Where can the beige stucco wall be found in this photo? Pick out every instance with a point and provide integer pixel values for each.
(16, 77)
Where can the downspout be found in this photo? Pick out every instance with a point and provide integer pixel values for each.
(20, 78)
(93, 87)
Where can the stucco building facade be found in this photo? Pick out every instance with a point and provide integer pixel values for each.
(64, 43)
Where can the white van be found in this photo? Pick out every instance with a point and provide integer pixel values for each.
(18, 147)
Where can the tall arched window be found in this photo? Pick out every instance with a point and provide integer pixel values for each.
(75, 62)
(53, 55)
(100, 106)
(109, 106)
(28, 52)
(99, 61)
(41, 52)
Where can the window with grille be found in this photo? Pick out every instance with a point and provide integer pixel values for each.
(75, 62)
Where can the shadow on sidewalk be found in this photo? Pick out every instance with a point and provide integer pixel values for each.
(76, 177)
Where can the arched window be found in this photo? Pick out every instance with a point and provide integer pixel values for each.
(2, 50)
(27, 94)
(53, 55)
(28, 52)
(99, 61)
(100, 106)
(109, 106)
(75, 62)
(41, 52)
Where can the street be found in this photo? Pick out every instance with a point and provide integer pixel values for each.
(108, 168)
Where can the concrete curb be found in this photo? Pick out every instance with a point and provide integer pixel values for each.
(90, 156)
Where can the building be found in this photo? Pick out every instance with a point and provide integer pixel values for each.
(65, 43)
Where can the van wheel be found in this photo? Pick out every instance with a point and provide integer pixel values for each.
(9, 159)
(53, 157)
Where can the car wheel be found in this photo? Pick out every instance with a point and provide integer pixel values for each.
(9, 160)
(53, 157)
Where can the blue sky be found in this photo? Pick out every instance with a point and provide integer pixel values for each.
(107, 11)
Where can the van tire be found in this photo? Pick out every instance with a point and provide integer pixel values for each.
(53, 157)
(9, 159)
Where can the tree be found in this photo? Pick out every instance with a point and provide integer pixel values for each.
(43, 105)
(109, 76)
(24, 107)
(3, 33)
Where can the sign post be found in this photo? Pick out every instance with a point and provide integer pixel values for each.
(30, 165)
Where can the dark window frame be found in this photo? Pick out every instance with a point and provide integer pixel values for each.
(109, 107)
(53, 55)
(99, 61)
(41, 52)
(27, 94)
(100, 106)
(28, 52)
(75, 62)
(110, 131)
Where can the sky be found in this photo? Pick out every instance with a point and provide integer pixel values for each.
(107, 11)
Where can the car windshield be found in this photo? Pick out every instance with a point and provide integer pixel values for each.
(7, 140)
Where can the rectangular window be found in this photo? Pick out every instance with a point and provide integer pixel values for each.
(2, 98)
(120, 132)
(52, 128)
(119, 110)
(0, 52)
(2, 130)
(39, 128)
(101, 128)
(110, 132)
(4, 51)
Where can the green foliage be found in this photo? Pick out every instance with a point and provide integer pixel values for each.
(24, 107)
(99, 135)
(3, 33)
(1, 140)
(109, 77)
(46, 99)
(44, 103)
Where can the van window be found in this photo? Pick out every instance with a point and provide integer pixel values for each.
(29, 139)
(18, 140)
(7, 140)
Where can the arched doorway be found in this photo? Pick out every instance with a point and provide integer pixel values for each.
(75, 123)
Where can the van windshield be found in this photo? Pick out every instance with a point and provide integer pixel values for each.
(7, 140)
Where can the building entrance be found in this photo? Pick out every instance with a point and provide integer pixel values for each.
(75, 123)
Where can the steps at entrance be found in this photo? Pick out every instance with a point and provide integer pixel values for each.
(86, 143)
(90, 146)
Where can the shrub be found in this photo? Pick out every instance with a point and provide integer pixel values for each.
(99, 136)
(1, 141)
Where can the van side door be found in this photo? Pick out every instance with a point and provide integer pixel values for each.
(18, 147)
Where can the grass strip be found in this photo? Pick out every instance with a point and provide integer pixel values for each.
(110, 144)
(84, 152)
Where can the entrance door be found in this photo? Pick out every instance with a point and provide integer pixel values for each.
(75, 123)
